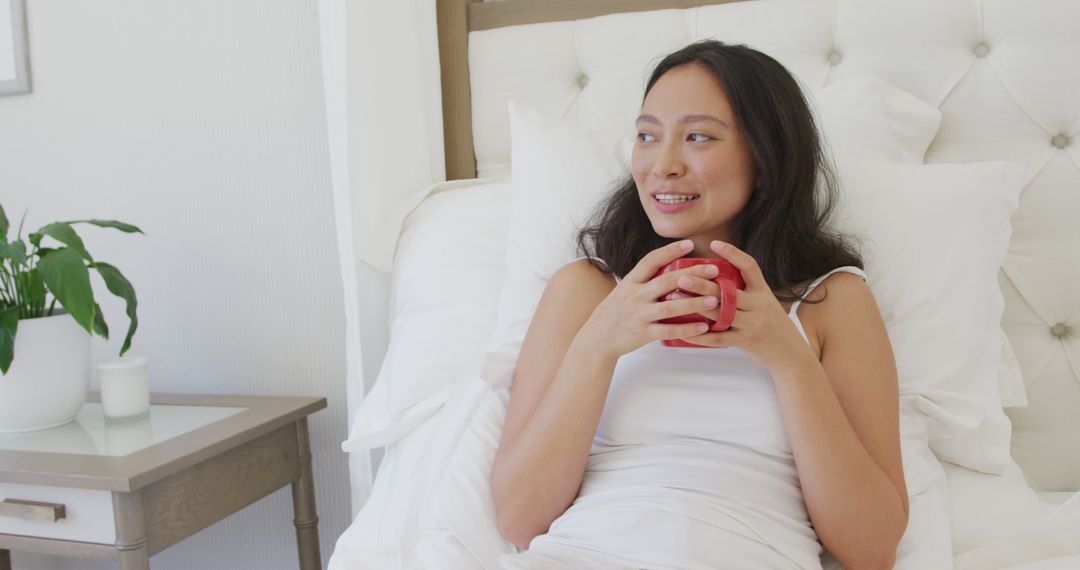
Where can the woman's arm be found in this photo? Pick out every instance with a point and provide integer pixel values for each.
(560, 386)
(842, 419)
(583, 323)
(841, 414)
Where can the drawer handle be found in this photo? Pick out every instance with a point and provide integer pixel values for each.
(32, 510)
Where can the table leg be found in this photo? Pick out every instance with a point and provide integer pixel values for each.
(5, 559)
(133, 551)
(303, 492)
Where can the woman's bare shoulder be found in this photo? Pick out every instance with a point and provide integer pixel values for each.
(845, 283)
(839, 291)
(586, 272)
(583, 273)
(580, 284)
(841, 297)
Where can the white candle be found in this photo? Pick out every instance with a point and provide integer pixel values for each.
(125, 391)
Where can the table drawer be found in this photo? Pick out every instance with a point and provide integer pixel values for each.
(88, 514)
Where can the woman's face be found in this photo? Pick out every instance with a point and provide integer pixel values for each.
(691, 163)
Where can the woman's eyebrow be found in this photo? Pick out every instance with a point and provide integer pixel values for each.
(684, 120)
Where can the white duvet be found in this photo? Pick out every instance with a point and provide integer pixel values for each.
(455, 527)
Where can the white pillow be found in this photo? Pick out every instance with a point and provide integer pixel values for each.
(460, 236)
(448, 269)
(936, 237)
(863, 116)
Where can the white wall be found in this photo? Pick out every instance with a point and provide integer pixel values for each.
(203, 123)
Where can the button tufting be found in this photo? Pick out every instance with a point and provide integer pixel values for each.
(834, 57)
(1060, 141)
(582, 80)
(982, 50)
(1059, 330)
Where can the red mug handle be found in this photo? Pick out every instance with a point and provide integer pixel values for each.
(727, 305)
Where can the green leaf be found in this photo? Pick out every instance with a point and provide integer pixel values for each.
(111, 224)
(31, 290)
(3, 225)
(21, 222)
(100, 327)
(16, 252)
(63, 233)
(121, 287)
(35, 289)
(9, 323)
(69, 281)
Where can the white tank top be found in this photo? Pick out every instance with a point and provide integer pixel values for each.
(691, 444)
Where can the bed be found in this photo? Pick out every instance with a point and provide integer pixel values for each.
(950, 94)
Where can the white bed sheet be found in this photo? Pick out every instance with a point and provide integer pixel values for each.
(1056, 563)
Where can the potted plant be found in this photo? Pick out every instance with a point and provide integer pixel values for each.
(45, 350)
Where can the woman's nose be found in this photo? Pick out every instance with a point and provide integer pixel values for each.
(668, 162)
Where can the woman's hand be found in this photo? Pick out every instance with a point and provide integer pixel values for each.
(627, 318)
(761, 327)
(692, 286)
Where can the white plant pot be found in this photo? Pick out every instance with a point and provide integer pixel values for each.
(49, 378)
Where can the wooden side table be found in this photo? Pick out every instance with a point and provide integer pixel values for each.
(128, 490)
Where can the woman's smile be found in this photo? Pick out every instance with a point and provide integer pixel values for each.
(672, 203)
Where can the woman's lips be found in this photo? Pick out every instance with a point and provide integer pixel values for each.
(673, 208)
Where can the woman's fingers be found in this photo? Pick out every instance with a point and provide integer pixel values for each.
(725, 339)
(679, 307)
(698, 285)
(744, 300)
(744, 262)
(669, 281)
(660, 331)
(657, 258)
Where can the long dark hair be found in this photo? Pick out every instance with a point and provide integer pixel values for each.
(785, 224)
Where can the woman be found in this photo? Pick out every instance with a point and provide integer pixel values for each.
(620, 452)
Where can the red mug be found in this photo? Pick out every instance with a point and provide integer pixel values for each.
(729, 279)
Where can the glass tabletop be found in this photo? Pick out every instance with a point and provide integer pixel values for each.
(92, 434)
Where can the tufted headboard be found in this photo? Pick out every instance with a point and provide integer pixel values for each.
(1002, 72)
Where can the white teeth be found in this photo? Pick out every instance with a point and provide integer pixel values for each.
(674, 198)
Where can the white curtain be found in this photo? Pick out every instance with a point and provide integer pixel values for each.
(384, 116)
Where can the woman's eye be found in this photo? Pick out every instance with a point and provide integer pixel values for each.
(644, 137)
(703, 137)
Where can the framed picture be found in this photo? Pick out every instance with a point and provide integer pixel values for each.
(14, 48)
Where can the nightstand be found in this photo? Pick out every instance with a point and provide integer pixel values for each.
(127, 490)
